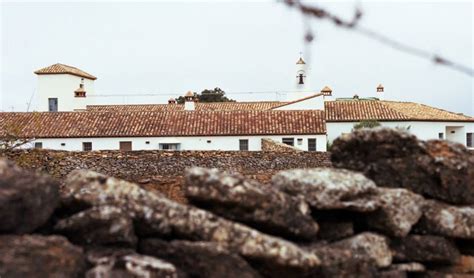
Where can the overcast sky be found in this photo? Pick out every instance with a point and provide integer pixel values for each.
(168, 48)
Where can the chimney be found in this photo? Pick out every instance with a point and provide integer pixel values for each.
(189, 101)
(380, 92)
(327, 93)
(80, 92)
(171, 101)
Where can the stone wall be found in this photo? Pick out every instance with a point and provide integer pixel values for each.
(274, 146)
(163, 170)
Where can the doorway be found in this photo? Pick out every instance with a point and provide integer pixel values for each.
(125, 146)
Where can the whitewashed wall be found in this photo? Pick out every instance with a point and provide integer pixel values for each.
(225, 143)
(315, 103)
(62, 87)
(422, 130)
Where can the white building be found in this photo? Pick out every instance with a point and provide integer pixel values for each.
(308, 122)
(63, 88)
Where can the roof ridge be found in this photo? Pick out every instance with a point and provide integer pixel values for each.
(298, 100)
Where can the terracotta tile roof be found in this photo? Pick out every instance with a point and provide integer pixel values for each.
(352, 110)
(65, 69)
(357, 110)
(417, 111)
(200, 106)
(159, 124)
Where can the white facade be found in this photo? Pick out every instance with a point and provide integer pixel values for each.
(314, 103)
(62, 87)
(424, 130)
(202, 143)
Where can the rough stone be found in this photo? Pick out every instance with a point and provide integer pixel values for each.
(153, 214)
(368, 246)
(408, 267)
(425, 249)
(257, 205)
(327, 188)
(114, 263)
(338, 262)
(27, 199)
(446, 220)
(199, 259)
(438, 169)
(399, 210)
(40, 256)
(102, 225)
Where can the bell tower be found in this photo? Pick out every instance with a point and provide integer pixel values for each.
(300, 81)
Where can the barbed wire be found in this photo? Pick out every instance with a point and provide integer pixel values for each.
(320, 13)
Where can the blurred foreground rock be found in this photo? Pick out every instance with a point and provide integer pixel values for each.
(242, 228)
(27, 199)
(437, 169)
(261, 206)
(40, 256)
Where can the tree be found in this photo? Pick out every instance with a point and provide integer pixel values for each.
(11, 134)
(215, 95)
(367, 124)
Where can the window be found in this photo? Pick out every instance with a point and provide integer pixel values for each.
(87, 146)
(244, 144)
(441, 135)
(470, 140)
(38, 145)
(300, 141)
(147, 142)
(311, 144)
(289, 141)
(208, 141)
(63, 144)
(125, 146)
(170, 146)
(52, 104)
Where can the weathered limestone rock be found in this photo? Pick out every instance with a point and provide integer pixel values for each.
(102, 225)
(399, 210)
(126, 263)
(438, 169)
(368, 246)
(408, 267)
(425, 249)
(446, 220)
(327, 188)
(40, 256)
(260, 206)
(338, 262)
(27, 199)
(199, 259)
(156, 215)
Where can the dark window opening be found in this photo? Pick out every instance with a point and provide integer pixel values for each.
(289, 141)
(244, 144)
(312, 144)
(63, 144)
(38, 145)
(208, 141)
(170, 146)
(147, 142)
(470, 139)
(87, 146)
(441, 135)
(52, 104)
